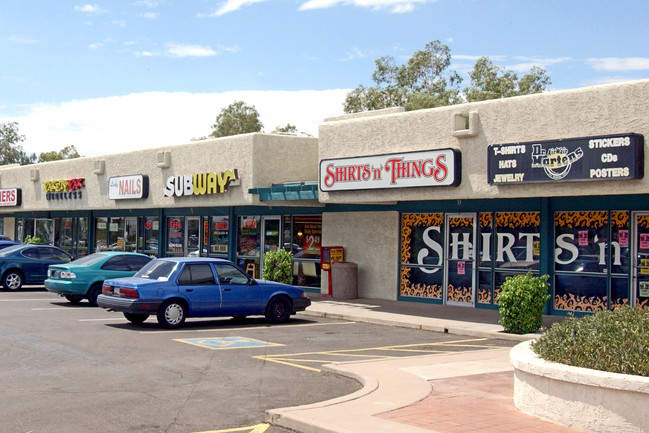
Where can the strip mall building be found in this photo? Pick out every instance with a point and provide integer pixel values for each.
(436, 205)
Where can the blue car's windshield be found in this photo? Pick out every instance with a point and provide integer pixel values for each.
(88, 260)
(156, 270)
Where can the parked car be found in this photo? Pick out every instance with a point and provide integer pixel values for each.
(174, 289)
(83, 278)
(6, 244)
(28, 263)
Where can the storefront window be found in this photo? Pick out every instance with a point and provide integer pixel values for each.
(581, 260)
(485, 251)
(101, 234)
(116, 240)
(175, 232)
(422, 273)
(219, 228)
(305, 243)
(248, 244)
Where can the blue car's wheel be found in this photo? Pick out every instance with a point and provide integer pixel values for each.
(172, 314)
(278, 310)
(12, 280)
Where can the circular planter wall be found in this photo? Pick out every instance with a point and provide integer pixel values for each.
(589, 400)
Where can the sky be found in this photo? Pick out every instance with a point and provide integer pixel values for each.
(112, 76)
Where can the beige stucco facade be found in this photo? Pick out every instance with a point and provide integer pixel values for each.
(368, 222)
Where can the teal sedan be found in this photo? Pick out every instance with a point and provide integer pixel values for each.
(83, 278)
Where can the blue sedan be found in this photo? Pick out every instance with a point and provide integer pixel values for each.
(174, 289)
(28, 263)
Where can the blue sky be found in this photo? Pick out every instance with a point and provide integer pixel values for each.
(147, 73)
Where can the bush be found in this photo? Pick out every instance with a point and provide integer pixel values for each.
(521, 302)
(277, 266)
(34, 240)
(615, 341)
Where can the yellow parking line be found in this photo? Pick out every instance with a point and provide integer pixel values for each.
(291, 364)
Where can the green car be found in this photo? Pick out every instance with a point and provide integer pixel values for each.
(83, 278)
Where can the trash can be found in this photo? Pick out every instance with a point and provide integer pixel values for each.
(344, 280)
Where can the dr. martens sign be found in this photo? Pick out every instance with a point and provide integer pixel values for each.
(201, 184)
(608, 157)
(64, 189)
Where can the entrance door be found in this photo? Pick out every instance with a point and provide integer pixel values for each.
(640, 271)
(270, 239)
(459, 286)
(192, 236)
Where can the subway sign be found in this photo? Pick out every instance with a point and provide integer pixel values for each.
(398, 170)
(607, 157)
(201, 183)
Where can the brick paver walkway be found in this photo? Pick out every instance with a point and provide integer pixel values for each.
(480, 403)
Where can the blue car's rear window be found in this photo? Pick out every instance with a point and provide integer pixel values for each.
(156, 269)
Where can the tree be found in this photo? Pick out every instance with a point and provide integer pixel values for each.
(489, 81)
(236, 118)
(68, 152)
(425, 81)
(288, 129)
(10, 151)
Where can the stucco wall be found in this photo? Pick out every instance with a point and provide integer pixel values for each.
(600, 110)
(370, 240)
(261, 159)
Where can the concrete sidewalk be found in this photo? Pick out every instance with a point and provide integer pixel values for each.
(445, 393)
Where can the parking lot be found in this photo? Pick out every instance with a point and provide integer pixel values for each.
(74, 368)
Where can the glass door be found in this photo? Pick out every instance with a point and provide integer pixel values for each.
(192, 236)
(45, 230)
(459, 287)
(640, 291)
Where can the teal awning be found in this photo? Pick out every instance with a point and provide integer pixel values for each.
(288, 191)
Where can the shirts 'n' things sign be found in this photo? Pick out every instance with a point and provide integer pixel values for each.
(201, 184)
(609, 157)
(400, 170)
(128, 187)
(64, 189)
(10, 196)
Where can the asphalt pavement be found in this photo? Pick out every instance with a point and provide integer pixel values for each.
(464, 392)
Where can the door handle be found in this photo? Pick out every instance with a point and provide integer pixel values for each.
(189, 290)
(227, 290)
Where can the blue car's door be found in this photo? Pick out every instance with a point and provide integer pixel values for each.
(198, 284)
(240, 297)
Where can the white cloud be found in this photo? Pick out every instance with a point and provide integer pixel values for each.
(393, 6)
(187, 50)
(232, 6)
(21, 40)
(145, 120)
(620, 63)
(354, 54)
(150, 15)
(89, 9)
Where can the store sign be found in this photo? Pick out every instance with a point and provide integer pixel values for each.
(399, 170)
(200, 184)
(610, 157)
(10, 196)
(64, 189)
(128, 187)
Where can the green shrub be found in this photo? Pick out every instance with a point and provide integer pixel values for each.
(521, 302)
(34, 240)
(277, 266)
(615, 341)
